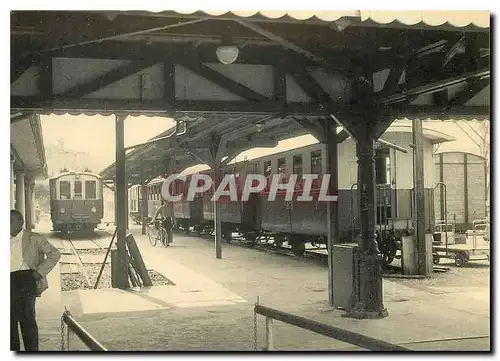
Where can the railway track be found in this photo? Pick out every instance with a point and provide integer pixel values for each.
(80, 263)
(84, 277)
(267, 246)
(313, 254)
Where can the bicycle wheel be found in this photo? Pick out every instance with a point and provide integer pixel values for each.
(152, 235)
(164, 236)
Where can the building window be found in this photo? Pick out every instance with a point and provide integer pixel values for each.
(268, 169)
(281, 165)
(316, 162)
(297, 166)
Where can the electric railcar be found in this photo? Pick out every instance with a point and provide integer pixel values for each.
(76, 201)
(297, 222)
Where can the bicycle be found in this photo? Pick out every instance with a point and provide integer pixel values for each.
(156, 232)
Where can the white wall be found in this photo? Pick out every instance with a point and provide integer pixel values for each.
(109, 205)
(404, 162)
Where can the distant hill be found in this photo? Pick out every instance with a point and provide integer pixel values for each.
(59, 157)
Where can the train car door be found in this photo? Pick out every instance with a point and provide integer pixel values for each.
(276, 215)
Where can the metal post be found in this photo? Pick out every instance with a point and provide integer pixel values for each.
(121, 196)
(28, 197)
(445, 218)
(370, 265)
(217, 217)
(269, 334)
(127, 205)
(20, 193)
(82, 334)
(144, 205)
(12, 186)
(353, 217)
(419, 213)
(332, 208)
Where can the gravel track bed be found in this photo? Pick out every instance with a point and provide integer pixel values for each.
(78, 281)
(96, 251)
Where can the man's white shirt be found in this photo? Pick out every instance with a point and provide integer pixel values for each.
(16, 253)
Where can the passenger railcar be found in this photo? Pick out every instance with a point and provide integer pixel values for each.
(302, 222)
(76, 201)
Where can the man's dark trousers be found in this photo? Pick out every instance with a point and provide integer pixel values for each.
(22, 311)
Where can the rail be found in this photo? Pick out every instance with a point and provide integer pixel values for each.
(336, 333)
(73, 326)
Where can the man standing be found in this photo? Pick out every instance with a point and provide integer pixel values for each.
(32, 257)
(167, 213)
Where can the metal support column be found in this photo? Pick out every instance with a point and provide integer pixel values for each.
(144, 205)
(127, 200)
(121, 196)
(115, 204)
(331, 154)
(418, 182)
(219, 145)
(20, 192)
(370, 297)
(12, 185)
(29, 191)
(217, 217)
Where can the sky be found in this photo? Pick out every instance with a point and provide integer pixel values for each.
(95, 135)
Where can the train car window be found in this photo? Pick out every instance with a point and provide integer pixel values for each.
(64, 190)
(77, 190)
(297, 166)
(90, 190)
(267, 168)
(316, 162)
(281, 165)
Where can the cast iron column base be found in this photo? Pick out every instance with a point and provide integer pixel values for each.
(369, 302)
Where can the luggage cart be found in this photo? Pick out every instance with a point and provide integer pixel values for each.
(477, 246)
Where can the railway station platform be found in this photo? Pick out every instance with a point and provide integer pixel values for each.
(210, 307)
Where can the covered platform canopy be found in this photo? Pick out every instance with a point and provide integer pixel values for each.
(222, 73)
(27, 163)
(295, 63)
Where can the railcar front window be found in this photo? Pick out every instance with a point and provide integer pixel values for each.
(90, 190)
(64, 190)
(78, 190)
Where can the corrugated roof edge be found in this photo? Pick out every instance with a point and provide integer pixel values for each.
(457, 19)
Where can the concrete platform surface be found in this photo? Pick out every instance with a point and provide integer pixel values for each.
(210, 307)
